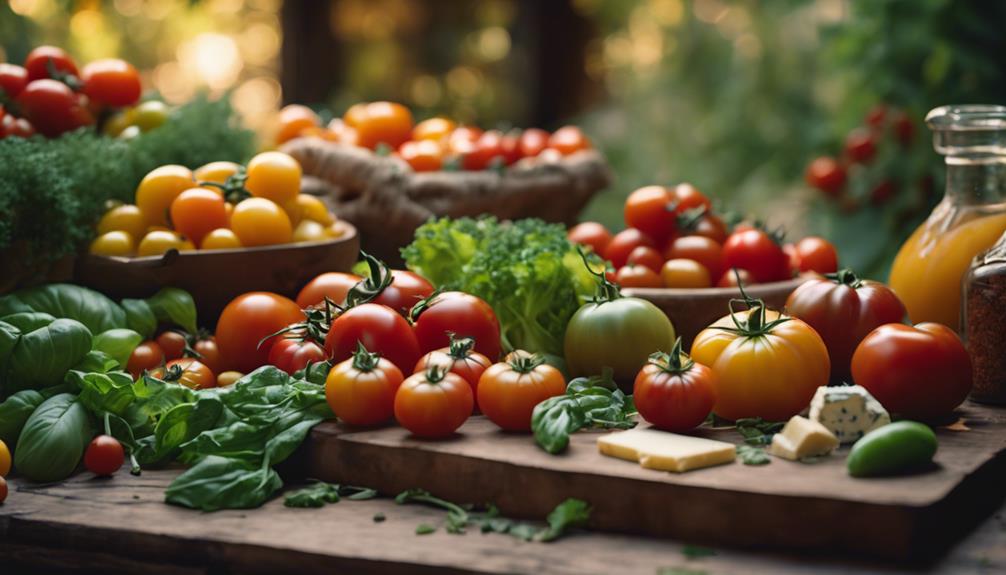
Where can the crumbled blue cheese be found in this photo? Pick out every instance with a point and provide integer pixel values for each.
(848, 412)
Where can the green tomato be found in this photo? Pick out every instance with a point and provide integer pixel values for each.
(149, 115)
(895, 448)
(620, 334)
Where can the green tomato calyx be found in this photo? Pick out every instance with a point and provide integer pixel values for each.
(847, 277)
(675, 363)
(460, 347)
(364, 360)
(526, 363)
(233, 189)
(605, 291)
(756, 323)
(436, 373)
(367, 289)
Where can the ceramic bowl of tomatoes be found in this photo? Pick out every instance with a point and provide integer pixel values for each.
(677, 252)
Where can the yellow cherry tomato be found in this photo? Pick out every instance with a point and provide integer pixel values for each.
(337, 229)
(216, 172)
(186, 246)
(437, 129)
(149, 115)
(4, 459)
(113, 243)
(308, 207)
(158, 242)
(309, 231)
(158, 189)
(274, 176)
(260, 222)
(126, 218)
(117, 123)
(220, 239)
(682, 273)
(228, 378)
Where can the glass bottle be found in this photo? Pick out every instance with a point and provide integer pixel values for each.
(984, 323)
(929, 267)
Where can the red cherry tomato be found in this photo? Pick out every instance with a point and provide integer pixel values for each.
(246, 321)
(487, 148)
(756, 252)
(673, 392)
(568, 139)
(112, 82)
(292, 354)
(461, 314)
(15, 127)
(192, 373)
(510, 146)
(532, 142)
(729, 278)
(688, 197)
(146, 356)
(333, 285)
(380, 329)
(707, 225)
(591, 234)
(638, 276)
(651, 210)
(698, 248)
(814, 254)
(459, 358)
(645, 256)
(52, 107)
(875, 117)
(904, 128)
(38, 62)
(433, 403)
(620, 246)
(172, 343)
(860, 145)
(13, 79)
(827, 175)
(406, 290)
(104, 455)
(919, 372)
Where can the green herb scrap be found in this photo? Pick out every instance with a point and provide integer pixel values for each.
(588, 402)
(320, 493)
(757, 431)
(750, 455)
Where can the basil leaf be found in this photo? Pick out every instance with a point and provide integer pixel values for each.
(118, 343)
(139, 317)
(752, 455)
(42, 357)
(553, 420)
(9, 334)
(316, 495)
(186, 421)
(570, 513)
(101, 392)
(14, 412)
(28, 320)
(223, 483)
(94, 361)
(94, 310)
(176, 306)
(53, 439)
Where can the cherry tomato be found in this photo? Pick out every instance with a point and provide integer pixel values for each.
(361, 390)
(730, 278)
(220, 239)
(707, 225)
(568, 139)
(216, 172)
(38, 62)
(918, 372)
(591, 234)
(192, 373)
(532, 142)
(4, 460)
(261, 222)
(510, 146)
(114, 243)
(620, 246)
(651, 210)
(755, 251)
(688, 197)
(883, 192)
(459, 358)
(509, 390)
(104, 455)
(149, 115)
(292, 354)
(814, 254)
(674, 393)
(3, 489)
(844, 309)
(248, 319)
(197, 212)
(13, 79)
(209, 353)
(333, 285)
(460, 314)
(228, 378)
(172, 344)
(52, 107)
(827, 175)
(382, 123)
(126, 218)
(380, 329)
(682, 273)
(146, 356)
(433, 403)
(112, 82)
(406, 290)
(487, 148)
(274, 176)
(158, 242)
(860, 145)
(698, 248)
(436, 129)
(423, 155)
(638, 276)
(646, 256)
(294, 119)
(158, 189)
(875, 117)
(15, 127)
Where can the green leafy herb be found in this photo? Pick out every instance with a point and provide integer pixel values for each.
(695, 551)
(14, 412)
(757, 431)
(173, 305)
(118, 343)
(588, 402)
(425, 529)
(53, 439)
(570, 513)
(320, 493)
(45, 350)
(750, 455)
(139, 317)
(93, 309)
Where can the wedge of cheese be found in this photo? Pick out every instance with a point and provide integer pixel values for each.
(802, 437)
(655, 449)
(849, 412)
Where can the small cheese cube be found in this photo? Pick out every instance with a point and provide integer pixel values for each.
(849, 412)
(802, 437)
(655, 449)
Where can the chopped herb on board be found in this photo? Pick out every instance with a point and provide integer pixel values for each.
(425, 529)
(757, 431)
(750, 455)
(695, 551)
(320, 493)
(379, 517)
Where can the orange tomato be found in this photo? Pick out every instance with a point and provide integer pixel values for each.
(637, 276)
(331, 285)
(216, 172)
(437, 129)
(568, 139)
(592, 234)
(189, 372)
(274, 176)
(380, 123)
(197, 212)
(698, 248)
(293, 120)
(423, 155)
(308, 207)
(685, 274)
(158, 189)
(361, 390)
(433, 403)
(509, 390)
(260, 222)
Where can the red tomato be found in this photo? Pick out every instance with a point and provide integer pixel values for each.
(16, 127)
(460, 314)
(843, 309)
(423, 155)
(860, 145)
(698, 248)
(380, 329)
(532, 142)
(707, 225)
(875, 117)
(729, 278)
(191, 373)
(104, 455)
(638, 276)
(688, 197)
(248, 319)
(620, 246)
(172, 343)
(487, 148)
(883, 192)
(510, 146)
(333, 285)
(814, 254)
(38, 61)
(509, 390)
(361, 390)
(434, 403)
(52, 107)
(755, 251)
(651, 210)
(112, 82)
(904, 128)
(406, 290)
(209, 353)
(673, 392)
(568, 139)
(292, 354)
(591, 234)
(13, 79)
(146, 356)
(645, 256)
(827, 175)
(459, 358)
(918, 372)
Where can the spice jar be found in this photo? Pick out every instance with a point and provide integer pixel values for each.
(984, 323)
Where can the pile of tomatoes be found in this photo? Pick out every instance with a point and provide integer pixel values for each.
(674, 239)
(221, 205)
(50, 95)
(433, 144)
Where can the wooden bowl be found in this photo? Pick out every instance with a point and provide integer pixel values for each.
(692, 310)
(215, 277)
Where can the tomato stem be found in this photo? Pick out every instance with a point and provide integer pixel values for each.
(233, 189)
(367, 289)
(756, 323)
(525, 363)
(423, 305)
(436, 373)
(846, 276)
(672, 363)
(364, 360)
(460, 347)
(606, 291)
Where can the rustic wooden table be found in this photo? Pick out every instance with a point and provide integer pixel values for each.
(121, 525)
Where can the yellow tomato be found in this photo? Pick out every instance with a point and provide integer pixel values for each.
(309, 231)
(113, 243)
(157, 242)
(4, 459)
(437, 129)
(274, 176)
(306, 206)
(228, 378)
(126, 218)
(260, 222)
(158, 189)
(186, 246)
(337, 229)
(769, 367)
(220, 239)
(216, 172)
(117, 123)
(682, 273)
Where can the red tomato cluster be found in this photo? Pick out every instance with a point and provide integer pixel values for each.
(50, 95)
(674, 239)
(193, 360)
(433, 144)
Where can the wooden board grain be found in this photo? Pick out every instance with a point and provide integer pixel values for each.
(784, 505)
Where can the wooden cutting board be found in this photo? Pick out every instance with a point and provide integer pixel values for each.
(783, 505)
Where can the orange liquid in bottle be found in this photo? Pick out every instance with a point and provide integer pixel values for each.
(927, 272)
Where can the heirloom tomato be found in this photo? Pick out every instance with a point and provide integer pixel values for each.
(361, 390)
(331, 285)
(674, 393)
(380, 329)
(433, 403)
(246, 321)
(462, 315)
(618, 249)
(111, 82)
(591, 234)
(104, 455)
(767, 365)
(509, 390)
(844, 309)
(757, 252)
(919, 372)
(460, 358)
